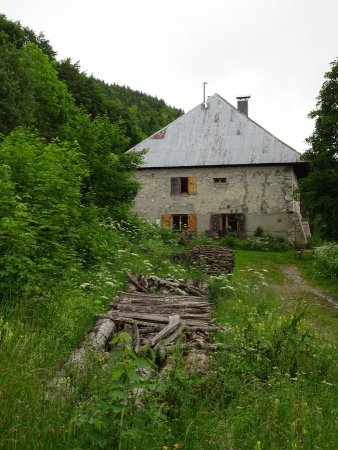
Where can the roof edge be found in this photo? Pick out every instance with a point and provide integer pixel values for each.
(257, 124)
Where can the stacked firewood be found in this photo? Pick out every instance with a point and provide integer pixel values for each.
(152, 284)
(158, 321)
(213, 260)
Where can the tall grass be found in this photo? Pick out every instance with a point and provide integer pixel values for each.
(274, 385)
(271, 385)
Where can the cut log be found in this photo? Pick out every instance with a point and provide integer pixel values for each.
(136, 338)
(173, 336)
(136, 283)
(174, 322)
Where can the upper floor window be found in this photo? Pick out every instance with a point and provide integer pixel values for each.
(220, 180)
(183, 185)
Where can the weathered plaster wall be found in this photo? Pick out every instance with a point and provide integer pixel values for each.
(262, 193)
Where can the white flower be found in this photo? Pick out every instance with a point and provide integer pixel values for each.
(84, 285)
(110, 283)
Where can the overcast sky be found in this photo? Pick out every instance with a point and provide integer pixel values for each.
(277, 51)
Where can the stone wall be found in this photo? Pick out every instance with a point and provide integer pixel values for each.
(264, 194)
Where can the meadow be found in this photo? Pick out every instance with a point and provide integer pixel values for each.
(271, 384)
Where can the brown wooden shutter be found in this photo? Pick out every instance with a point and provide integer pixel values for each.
(191, 185)
(175, 185)
(166, 220)
(192, 222)
(215, 222)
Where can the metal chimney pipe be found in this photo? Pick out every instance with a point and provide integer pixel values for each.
(204, 98)
(243, 104)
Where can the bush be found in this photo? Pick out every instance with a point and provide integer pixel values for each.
(258, 232)
(266, 244)
(230, 240)
(326, 261)
(315, 241)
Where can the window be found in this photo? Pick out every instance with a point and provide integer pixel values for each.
(220, 180)
(180, 222)
(183, 185)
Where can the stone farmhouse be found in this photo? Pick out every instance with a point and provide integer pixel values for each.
(215, 170)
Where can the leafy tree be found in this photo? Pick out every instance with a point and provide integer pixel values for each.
(40, 203)
(319, 189)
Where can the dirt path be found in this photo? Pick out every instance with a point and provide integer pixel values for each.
(298, 283)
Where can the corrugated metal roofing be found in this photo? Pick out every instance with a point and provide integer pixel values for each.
(218, 135)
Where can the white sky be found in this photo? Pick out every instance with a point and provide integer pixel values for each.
(277, 51)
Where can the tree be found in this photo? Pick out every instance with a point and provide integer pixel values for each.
(319, 190)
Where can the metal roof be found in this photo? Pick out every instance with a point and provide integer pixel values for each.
(218, 135)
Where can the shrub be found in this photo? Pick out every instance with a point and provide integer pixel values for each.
(266, 243)
(326, 261)
(230, 240)
(258, 232)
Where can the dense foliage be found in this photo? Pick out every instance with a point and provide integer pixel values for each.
(319, 189)
(63, 162)
(266, 243)
(326, 261)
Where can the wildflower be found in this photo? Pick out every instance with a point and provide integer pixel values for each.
(84, 285)
(14, 430)
(176, 446)
(110, 283)
(326, 382)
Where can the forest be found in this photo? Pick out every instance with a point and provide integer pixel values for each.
(63, 163)
(69, 245)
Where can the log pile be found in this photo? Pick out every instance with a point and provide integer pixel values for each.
(213, 260)
(158, 321)
(152, 284)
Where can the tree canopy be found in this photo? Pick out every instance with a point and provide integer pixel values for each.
(64, 169)
(319, 189)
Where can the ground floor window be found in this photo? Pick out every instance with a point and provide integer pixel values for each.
(180, 222)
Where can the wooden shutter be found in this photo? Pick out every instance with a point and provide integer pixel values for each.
(215, 222)
(175, 185)
(192, 222)
(191, 185)
(166, 220)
